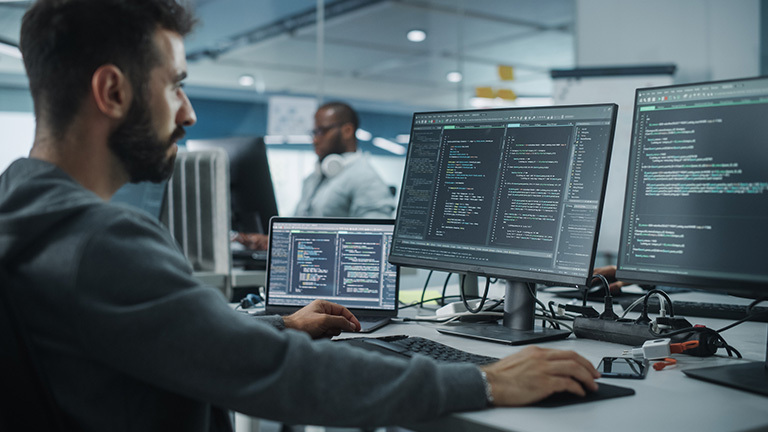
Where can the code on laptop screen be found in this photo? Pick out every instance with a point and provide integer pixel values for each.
(343, 262)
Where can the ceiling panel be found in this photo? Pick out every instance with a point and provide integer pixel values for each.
(366, 54)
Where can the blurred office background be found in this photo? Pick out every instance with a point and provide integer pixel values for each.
(259, 67)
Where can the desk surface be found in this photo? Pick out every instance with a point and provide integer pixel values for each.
(664, 400)
(248, 278)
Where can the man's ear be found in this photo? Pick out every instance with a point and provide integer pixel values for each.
(112, 91)
(348, 131)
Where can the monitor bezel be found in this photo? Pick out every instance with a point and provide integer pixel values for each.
(734, 286)
(534, 276)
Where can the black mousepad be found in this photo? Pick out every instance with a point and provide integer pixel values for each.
(604, 391)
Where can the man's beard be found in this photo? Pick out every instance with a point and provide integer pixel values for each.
(138, 147)
(336, 147)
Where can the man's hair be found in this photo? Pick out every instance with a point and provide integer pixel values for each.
(63, 42)
(344, 113)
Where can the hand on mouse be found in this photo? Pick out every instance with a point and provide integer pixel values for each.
(534, 373)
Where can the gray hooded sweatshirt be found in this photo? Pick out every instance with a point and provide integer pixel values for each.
(128, 340)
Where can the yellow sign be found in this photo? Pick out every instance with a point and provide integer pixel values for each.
(506, 73)
(506, 94)
(485, 92)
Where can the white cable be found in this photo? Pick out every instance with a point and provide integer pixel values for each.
(662, 303)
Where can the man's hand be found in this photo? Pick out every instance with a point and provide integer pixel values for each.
(534, 373)
(252, 241)
(322, 319)
(610, 273)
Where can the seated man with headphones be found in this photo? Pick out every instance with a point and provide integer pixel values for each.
(344, 183)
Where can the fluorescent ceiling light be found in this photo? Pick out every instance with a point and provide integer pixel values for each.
(363, 135)
(454, 77)
(403, 138)
(10, 50)
(389, 146)
(298, 139)
(246, 80)
(274, 139)
(287, 139)
(416, 35)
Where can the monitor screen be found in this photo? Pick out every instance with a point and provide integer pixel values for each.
(511, 193)
(251, 191)
(514, 193)
(696, 207)
(696, 210)
(146, 196)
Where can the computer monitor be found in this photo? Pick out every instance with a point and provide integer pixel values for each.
(696, 207)
(146, 196)
(513, 193)
(252, 194)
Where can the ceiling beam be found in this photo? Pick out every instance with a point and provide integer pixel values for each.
(541, 73)
(8, 42)
(23, 4)
(288, 25)
(470, 13)
(420, 55)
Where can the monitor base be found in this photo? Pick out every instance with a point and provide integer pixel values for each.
(501, 334)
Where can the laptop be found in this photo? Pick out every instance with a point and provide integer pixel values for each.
(342, 260)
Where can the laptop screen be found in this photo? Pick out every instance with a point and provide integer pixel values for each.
(340, 260)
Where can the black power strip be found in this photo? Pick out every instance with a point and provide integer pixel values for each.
(629, 332)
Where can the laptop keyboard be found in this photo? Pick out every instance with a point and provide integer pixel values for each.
(408, 346)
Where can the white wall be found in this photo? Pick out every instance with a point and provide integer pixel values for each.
(18, 132)
(706, 39)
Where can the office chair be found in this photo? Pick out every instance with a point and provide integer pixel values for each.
(197, 213)
(29, 404)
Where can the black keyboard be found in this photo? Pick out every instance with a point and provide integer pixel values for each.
(705, 310)
(407, 346)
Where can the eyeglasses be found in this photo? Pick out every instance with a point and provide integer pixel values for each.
(322, 130)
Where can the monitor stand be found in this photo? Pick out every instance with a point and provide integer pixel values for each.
(752, 377)
(518, 325)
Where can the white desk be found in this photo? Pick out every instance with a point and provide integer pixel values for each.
(238, 278)
(248, 278)
(664, 400)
